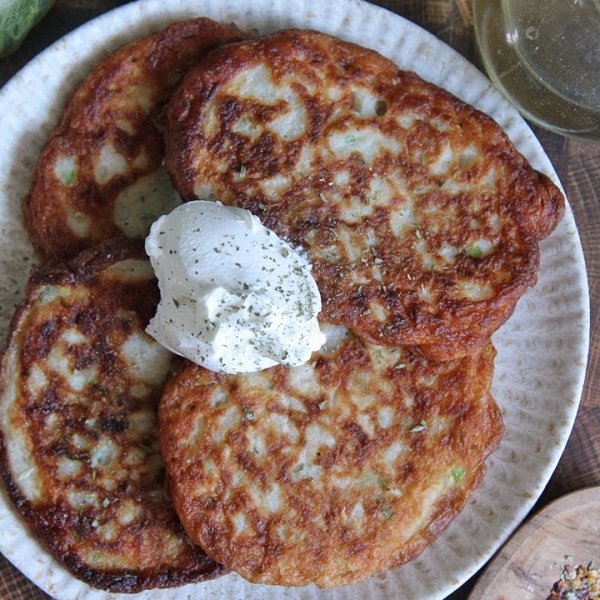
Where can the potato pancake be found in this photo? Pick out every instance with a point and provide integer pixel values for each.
(101, 174)
(332, 471)
(80, 382)
(420, 218)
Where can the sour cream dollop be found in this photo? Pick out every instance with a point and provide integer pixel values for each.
(235, 297)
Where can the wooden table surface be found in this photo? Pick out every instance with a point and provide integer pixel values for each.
(577, 164)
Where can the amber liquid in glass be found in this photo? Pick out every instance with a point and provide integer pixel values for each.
(545, 56)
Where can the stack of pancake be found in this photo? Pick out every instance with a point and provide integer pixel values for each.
(421, 222)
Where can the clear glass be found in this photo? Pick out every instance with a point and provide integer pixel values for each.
(17, 17)
(544, 55)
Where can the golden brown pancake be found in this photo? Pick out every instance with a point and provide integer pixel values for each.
(79, 449)
(100, 174)
(332, 471)
(421, 219)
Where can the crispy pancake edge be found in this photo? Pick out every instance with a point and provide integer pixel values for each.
(214, 515)
(44, 517)
(447, 327)
(108, 140)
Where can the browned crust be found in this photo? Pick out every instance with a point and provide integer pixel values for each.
(219, 467)
(304, 213)
(129, 86)
(107, 313)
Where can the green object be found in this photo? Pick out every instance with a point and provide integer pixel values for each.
(17, 17)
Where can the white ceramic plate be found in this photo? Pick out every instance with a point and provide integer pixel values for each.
(542, 350)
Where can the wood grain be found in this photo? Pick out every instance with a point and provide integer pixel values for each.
(577, 164)
(564, 532)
